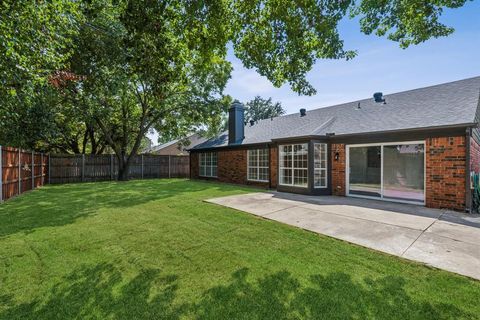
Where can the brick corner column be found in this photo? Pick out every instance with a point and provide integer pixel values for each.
(338, 169)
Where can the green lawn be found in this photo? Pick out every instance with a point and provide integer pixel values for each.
(153, 249)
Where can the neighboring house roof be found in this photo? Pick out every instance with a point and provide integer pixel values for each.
(174, 148)
(449, 104)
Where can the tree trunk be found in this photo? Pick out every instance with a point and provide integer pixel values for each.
(123, 167)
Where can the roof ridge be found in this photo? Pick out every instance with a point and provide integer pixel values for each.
(398, 92)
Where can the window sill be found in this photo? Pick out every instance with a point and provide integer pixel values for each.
(292, 185)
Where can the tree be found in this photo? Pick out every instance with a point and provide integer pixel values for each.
(259, 109)
(146, 64)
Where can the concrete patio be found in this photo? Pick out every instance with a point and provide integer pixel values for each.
(440, 238)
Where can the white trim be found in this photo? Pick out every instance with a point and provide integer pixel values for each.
(257, 166)
(321, 169)
(381, 145)
(293, 168)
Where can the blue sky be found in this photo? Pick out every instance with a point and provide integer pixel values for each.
(379, 66)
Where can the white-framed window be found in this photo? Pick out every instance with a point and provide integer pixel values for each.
(258, 165)
(294, 165)
(208, 164)
(320, 165)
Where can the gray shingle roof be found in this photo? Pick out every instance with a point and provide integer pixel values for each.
(448, 104)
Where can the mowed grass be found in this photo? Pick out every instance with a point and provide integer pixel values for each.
(153, 249)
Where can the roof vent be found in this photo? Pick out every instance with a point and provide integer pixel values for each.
(252, 122)
(378, 96)
(303, 112)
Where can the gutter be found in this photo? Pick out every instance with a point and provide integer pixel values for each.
(468, 192)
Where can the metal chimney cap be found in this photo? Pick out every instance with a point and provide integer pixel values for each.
(237, 104)
(303, 112)
(252, 122)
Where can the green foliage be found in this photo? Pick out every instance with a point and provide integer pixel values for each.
(35, 39)
(283, 39)
(405, 21)
(259, 109)
(142, 64)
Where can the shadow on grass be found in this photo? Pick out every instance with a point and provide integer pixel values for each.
(62, 204)
(101, 292)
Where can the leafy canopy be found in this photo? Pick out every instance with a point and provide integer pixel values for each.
(143, 64)
(259, 109)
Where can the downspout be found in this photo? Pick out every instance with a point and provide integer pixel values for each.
(468, 192)
(269, 166)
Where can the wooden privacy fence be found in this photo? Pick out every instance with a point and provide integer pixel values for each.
(21, 171)
(89, 168)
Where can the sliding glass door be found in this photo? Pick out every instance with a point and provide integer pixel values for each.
(394, 171)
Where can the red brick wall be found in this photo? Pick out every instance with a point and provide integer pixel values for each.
(194, 165)
(338, 170)
(232, 167)
(445, 172)
(474, 156)
(273, 166)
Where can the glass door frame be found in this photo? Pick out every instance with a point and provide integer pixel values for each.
(381, 145)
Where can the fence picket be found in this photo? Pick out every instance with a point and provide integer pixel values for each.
(78, 168)
(70, 168)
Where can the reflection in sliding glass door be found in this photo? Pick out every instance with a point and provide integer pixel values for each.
(403, 172)
(365, 171)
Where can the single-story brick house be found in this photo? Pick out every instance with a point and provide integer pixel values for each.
(417, 146)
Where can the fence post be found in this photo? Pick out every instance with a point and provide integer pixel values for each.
(49, 169)
(19, 171)
(142, 166)
(111, 167)
(169, 167)
(1, 176)
(33, 170)
(83, 167)
(41, 170)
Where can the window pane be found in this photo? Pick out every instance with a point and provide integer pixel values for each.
(252, 173)
(365, 167)
(403, 172)
(300, 177)
(214, 158)
(263, 158)
(214, 171)
(320, 165)
(252, 158)
(320, 178)
(263, 174)
(286, 176)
